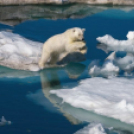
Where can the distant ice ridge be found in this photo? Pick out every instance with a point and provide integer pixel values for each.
(109, 97)
(92, 128)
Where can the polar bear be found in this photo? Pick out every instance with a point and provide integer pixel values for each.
(72, 40)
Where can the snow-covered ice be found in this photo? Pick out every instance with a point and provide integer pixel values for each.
(92, 128)
(18, 52)
(108, 97)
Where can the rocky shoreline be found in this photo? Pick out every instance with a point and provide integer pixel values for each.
(62, 2)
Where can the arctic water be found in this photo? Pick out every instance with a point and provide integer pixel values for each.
(25, 97)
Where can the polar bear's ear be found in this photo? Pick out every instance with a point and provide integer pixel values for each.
(83, 30)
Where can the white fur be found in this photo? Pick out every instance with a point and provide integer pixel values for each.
(67, 42)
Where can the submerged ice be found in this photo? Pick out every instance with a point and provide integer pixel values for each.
(92, 128)
(108, 97)
(4, 121)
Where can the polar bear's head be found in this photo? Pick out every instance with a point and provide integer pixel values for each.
(76, 34)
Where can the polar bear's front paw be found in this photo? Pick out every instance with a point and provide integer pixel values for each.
(41, 66)
(84, 51)
(81, 45)
(82, 48)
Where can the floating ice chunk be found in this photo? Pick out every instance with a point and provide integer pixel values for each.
(4, 122)
(112, 44)
(93, 128)
(108, 43)
(130, 35)
(108, 69)
(109, 97)
(126, 63)
(95, 71)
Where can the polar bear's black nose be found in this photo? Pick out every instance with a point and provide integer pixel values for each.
(83, 39)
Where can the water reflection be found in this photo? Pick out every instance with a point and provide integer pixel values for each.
(126, 61)
(12, 73)
(76, 115)
(13, 15)
(50, 80)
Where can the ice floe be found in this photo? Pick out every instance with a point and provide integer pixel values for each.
(108, 43)
(112, 44)
(92, 128)
(108, 97)
(19, 53)
(112, 66)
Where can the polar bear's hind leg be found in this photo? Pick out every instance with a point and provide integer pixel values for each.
(54, 58)
(44, 58)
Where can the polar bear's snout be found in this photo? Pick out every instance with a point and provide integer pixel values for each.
(83, 39)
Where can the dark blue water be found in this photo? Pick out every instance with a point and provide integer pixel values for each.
(24, 96)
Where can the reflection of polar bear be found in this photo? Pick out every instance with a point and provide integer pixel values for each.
(67, 42)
